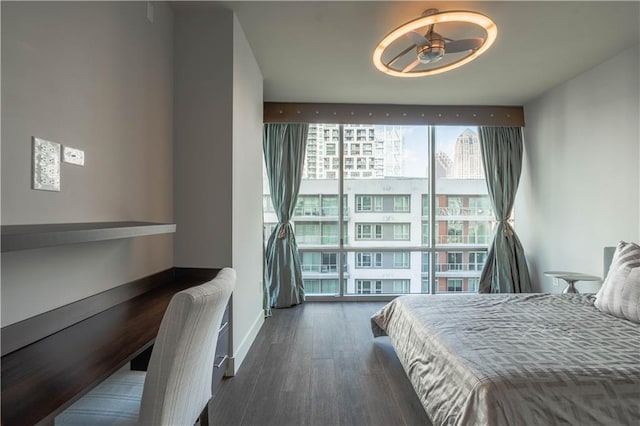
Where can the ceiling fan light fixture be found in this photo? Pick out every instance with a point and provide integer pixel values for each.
(433, 53)
(432, 18)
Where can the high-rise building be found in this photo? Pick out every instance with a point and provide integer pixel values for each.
(468, 157)
(396, 236)
(365, 155)
(444, 165)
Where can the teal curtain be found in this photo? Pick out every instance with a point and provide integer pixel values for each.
(505, 270)
(284, 147)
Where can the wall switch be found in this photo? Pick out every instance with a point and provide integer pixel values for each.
(73, 156)
(46, 165)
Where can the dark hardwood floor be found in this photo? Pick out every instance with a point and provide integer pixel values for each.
(318, 364)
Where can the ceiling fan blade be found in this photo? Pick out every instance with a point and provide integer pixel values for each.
(463, 45)
(418, 39)
(411, 66)
(404, 52)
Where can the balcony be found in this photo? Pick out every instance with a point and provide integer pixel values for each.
(313, 242)
(463, 212)
(482, 240)
(322, 268)
(317, 212)
(456, 268)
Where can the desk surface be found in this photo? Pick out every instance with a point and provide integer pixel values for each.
(40, 380)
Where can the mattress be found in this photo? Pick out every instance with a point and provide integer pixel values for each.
(519, 359)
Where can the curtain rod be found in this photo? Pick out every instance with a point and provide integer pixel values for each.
(285, 112)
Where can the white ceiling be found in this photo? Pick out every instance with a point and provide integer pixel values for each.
(321, 51)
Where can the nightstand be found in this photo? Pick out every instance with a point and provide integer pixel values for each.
(571, 278)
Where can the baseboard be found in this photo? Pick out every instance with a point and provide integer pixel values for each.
(243, 348)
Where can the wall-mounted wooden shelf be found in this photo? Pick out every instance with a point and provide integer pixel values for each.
(25, 237)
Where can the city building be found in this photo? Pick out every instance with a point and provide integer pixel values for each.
(387, 245)
(365, 155)
(468, 158)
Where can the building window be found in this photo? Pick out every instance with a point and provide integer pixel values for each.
(425, 233)
(307, 205)
(315, 286)
(377, 203)
(348, 163)
(425, 205)
(476, 260)
(307, 232)
(329, 262)
(368, 203)
(401, 203)
(368, 260)
(425, 262)
(400, 286)
(401, 231)
(368, 231)
(473, 285)
(364, 203)
(369, 286)
(454, 261)
(329, 233)
(480, 206)
(401, 260)
(384, 171)
(454, 232)
(310, 262)
(454, 285)
(330, 205)
(454, 206)
(479, 233)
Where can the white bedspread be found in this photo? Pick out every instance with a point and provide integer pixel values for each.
(525, 359)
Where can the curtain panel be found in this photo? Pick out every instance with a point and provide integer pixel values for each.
(284, 146)
(505, 270)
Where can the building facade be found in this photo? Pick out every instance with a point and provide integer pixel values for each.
(389, 243)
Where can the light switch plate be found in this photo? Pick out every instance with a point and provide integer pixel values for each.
(46, 165)
(73, 156)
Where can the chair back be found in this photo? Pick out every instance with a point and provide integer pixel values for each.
(178, 382)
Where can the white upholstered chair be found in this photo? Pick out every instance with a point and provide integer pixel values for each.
(177, 385)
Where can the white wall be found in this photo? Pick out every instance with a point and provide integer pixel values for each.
(248, 315)
(579, 189)
(218, 161)
(203, 137)
(95, 76)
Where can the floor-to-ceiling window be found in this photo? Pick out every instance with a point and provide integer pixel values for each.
(386, 210)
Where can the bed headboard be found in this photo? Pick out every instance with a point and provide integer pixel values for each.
(608, 257)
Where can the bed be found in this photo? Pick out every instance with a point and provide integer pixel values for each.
(517, 359)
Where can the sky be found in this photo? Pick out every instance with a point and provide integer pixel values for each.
(416, 145)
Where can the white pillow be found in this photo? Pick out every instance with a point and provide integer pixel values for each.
(620, 293)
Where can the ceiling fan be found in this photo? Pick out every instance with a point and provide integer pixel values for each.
(430, 47)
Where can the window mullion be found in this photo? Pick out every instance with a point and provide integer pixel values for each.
(341, 283)
(432, 207)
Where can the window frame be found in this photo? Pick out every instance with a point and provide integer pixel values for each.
(372, 231)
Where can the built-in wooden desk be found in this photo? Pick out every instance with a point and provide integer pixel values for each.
(43, 378)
